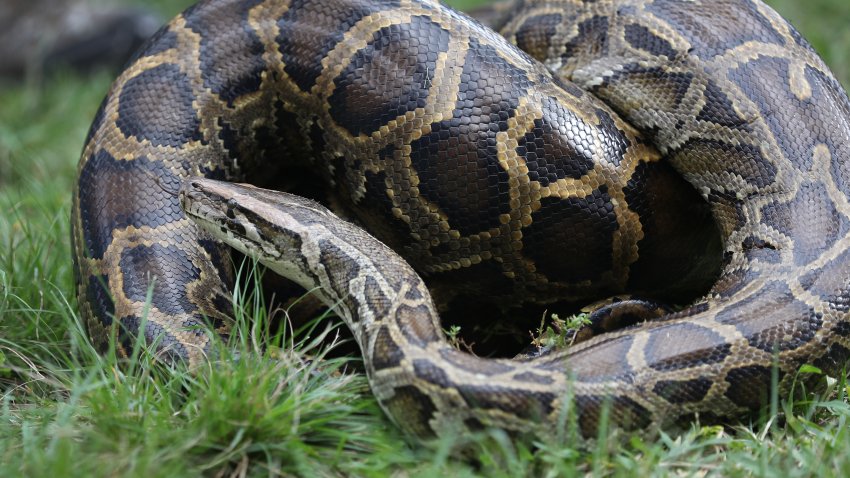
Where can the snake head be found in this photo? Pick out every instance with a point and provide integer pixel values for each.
(270, 226)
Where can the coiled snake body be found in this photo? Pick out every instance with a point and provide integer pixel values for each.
(490, 173)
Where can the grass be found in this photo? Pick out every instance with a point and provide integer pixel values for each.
(67, 411)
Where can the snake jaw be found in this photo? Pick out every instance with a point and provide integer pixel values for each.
(213, 206)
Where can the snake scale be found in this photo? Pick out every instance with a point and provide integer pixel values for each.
(492, 170)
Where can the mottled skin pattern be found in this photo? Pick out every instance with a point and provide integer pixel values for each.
(490, 176)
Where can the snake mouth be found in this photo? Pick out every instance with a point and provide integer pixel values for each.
(200, 204)
(209, 205)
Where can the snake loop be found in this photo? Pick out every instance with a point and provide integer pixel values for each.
(493, 171)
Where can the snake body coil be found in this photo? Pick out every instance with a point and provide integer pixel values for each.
(491, 173)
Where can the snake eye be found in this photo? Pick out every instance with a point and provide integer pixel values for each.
(231, 205)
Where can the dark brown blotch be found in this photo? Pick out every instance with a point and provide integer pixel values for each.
(387, 352)
(535, 34)
(232, 64)
(219, 256)
(680, 345)
(683, 391)
(622, 412)
(591, 41)
(571, 240)
(309, 30)
(648, 79)
(169, 349)
(604, 361)
(810, 219)
(713, 28)
(720, 159)
(391, 76)
(642, 38)
(379, 303)
(773, 320)
(831, 284)
(525, 404)
(415, 323)
(732, 282)
(157, 106)
(457, 163)
(471, 364)
(760, 249)
(719, 109)
(99, 299)
(341, 271)
(749, 386)
(375, 209)
(621, 314)
(165, 271)
(416, 408)
(559, 146)
(429, 372)
(116, 194)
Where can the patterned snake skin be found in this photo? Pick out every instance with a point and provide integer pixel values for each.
(493, 175)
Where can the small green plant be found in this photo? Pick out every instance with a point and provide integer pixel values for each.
(453, 335)
(559, 333)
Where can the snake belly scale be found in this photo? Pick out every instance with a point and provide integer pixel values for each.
(491, 171)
